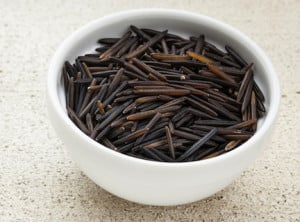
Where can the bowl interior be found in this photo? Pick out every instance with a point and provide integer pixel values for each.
(181, 23)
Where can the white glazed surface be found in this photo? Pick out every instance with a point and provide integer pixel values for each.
(150, 182)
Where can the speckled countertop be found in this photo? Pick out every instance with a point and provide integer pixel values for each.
(39, 181)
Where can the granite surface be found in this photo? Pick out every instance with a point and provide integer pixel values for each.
(39, 181)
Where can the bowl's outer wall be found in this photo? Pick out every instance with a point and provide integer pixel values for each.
(142, 181)
(147, 184)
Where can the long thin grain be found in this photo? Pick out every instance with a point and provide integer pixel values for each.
(197, 145)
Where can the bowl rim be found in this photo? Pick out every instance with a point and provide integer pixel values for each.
(272, 79)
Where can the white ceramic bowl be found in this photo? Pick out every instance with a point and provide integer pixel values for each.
(150, 182)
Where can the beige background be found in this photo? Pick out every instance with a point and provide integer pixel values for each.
(38, 180)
